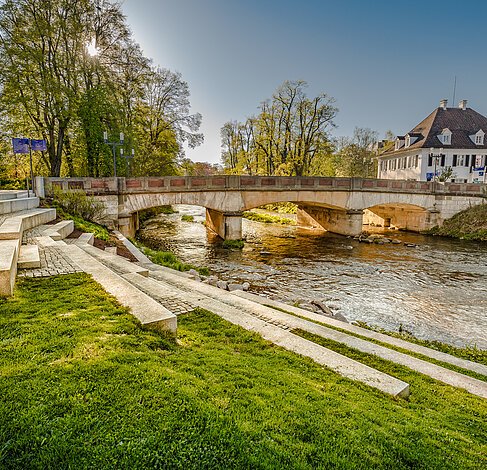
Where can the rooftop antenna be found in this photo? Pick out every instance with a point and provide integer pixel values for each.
(454, 90)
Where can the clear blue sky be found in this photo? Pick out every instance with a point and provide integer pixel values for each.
(387, 63)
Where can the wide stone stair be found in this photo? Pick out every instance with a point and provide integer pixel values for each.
(18, 214)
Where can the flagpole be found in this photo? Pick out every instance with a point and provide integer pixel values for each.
(31, 169)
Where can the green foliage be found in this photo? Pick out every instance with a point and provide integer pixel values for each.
(281, 207)
(355, 157)
(53, 89)
(100, 231)
(77, 369)
(170, 260)
(12, 184)
(268, 218)
(147, 214)
(233, 244)
(79, 204)
(470, 224)
(288, 137)
(471, 353)
(187, 218)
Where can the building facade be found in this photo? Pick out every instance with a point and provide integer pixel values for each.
(448, 145)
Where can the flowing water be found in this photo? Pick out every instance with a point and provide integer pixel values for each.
(436, 291)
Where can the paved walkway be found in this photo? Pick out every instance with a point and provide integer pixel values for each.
(53, 261)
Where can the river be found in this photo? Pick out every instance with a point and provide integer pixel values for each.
(436, 291)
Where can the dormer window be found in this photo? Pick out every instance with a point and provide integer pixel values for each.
(445, 137)
(408, 141)
(478, 138)
(399, 142)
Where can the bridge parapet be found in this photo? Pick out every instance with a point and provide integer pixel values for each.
(101, 186)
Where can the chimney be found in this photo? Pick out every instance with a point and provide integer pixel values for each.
(463, 104)
(443, 104)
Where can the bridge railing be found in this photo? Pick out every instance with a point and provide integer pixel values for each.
(257, 183)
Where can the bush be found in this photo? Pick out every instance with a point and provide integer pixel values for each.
(78, 203)
(187, 218)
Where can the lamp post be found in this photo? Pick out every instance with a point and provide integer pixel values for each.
(127, 158)
(114, 146)
(435, 158)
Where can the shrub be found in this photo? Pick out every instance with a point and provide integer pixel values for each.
(79, 204)
(187, 218)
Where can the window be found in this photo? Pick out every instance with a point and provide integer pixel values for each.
(408, 141)
(416, 161)
(460, 160)
(455, 160)
(447, 139)
(479, 139)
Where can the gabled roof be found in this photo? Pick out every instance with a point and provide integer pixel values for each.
(461, 122)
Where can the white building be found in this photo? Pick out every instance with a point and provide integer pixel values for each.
(448, 138)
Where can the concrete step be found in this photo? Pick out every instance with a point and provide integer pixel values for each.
(14, 194)
(132, 248)
(149, 312)
(85, 239)
(117, 263)
(344, 366)
(15, 205)
(9, 252)
(29, 257)
(268, 314)
(6, 194)
(14, 226)
(60, 230)
(416, 348)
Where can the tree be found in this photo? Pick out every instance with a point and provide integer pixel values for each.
(288, 137)
(41, 42)
(355, 157)
(52, 88)
(163, 123)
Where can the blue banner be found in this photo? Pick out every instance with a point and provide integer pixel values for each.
(20, 145)
(38, 145)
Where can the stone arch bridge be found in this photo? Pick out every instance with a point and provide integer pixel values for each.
(339, 205)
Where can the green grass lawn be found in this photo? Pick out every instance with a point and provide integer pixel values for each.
(83, 386)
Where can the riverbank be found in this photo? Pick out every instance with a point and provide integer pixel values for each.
(470, 224)
(435, 287)
(86, 387)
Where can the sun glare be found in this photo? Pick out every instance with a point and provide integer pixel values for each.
(92, 49)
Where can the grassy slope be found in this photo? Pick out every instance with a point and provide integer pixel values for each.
(83, 386)
(470, 224)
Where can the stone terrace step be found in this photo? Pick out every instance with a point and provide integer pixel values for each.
(13, 227)
(117, 263)
(416, 348)
(85, 239)
(15, 205)
(342, 365)
(60, 230)
(12, 194)
(29, 257)
(145, 309)
(9, 252)
(474, 386)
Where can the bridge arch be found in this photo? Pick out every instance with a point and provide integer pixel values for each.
(402, 216)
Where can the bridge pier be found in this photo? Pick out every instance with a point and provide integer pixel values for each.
(343, 222)
(228, 225)
(128, 224)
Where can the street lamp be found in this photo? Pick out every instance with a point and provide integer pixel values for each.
(127, 158)
(114, 146)
(435, 157)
